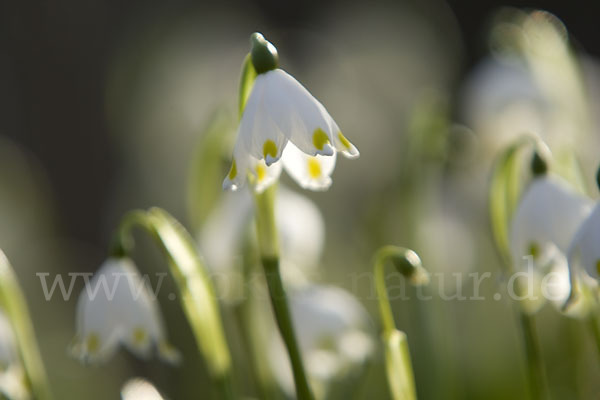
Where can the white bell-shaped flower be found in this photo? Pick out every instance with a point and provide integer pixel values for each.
(334, 335)
(281, 113)
(12, 374)
(585, 249)
(545, 221)
(117, 307)
(139, 389)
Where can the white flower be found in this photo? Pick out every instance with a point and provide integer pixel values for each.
(281, 114)
(545, 221)
(12, 374)
(301, 233)
(116, 307)
(585, 247)
(139, 389)
(334, 336)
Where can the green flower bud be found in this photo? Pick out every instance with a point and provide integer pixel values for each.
(409, 264)
(263, 53)
(539, 166)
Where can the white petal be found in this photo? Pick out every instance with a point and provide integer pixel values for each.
(549, 213)
(265, 176)
(342, 144)
(299, 115)
(244, 163)
(259, 133)
(236, 177)
(139, 389)
(310, 172)
(585, 244)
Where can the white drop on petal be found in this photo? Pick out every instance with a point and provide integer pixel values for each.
(548, 214)
(117, 307)
(310, 172)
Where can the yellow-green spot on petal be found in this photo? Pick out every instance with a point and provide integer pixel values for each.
(598, 266)
(345, 142)
(233, 171)
(269, 148)
(261, 172)
(92, 343)
(314, 168)
(320, 138)
(534, 250)
(139, 336)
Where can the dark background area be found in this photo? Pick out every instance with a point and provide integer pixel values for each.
(53, 59)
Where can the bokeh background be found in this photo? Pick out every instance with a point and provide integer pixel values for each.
(103, 105)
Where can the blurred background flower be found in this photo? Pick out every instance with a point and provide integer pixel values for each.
(104, 106)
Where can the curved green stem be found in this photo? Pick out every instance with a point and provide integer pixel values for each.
(14, 305)
(196, 291)
(269, 254)
(398, 364)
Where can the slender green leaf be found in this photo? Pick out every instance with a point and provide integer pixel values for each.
(505, 189)
(13, 303)
(196, 290)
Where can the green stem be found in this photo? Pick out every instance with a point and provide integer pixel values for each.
(398, 364)
(594, 329)
(252, 329)
(269, 254)
(535, 366)
(14, 305)
(385, 308)
(196, 292)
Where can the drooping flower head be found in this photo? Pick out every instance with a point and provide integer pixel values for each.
(545, 222)
(282, 120)
(116, 307)
(546, 219)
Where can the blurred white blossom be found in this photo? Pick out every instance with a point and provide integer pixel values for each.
(117, 307)
(12, 374)
(139, 389)
(334, 334)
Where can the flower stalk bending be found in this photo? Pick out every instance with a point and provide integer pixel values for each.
(196, 291)
(397, 356)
